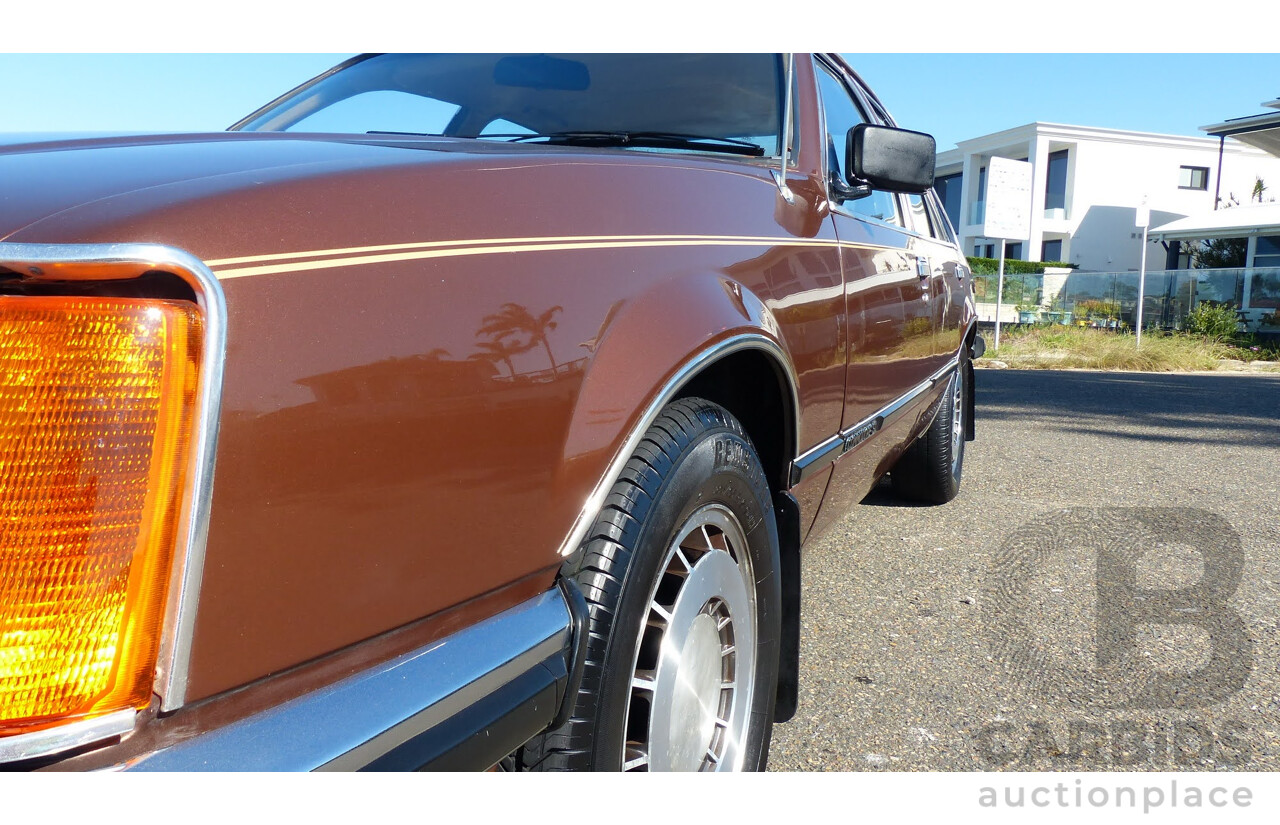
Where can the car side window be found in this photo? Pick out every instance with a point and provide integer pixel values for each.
(842, 114)
(919, 215)
(942, 229)
(928, 219)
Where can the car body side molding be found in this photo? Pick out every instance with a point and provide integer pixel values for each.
(850, 439)
(373, 715)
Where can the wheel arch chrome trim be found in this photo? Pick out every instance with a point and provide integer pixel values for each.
(743, 341)
(187, 568)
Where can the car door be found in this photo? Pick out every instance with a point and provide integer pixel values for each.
(934, 241)
(888, 285)
(948, 275)
(889, 291)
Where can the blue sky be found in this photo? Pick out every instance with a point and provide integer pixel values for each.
(953, 96)
(983, 93)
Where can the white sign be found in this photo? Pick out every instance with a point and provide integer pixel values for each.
(1143, 217)
(1008, 210)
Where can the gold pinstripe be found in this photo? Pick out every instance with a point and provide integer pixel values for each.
(320, 253)
(387, 253)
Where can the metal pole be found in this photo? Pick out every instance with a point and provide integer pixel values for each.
(1142, 284)
(1217, 184)
(999, 293)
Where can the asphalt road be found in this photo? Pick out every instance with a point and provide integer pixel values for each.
(1101, 595)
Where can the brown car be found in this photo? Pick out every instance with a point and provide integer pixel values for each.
(459, 410)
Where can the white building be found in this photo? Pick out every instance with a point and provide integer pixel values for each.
(1087, 184)
(1255, 221)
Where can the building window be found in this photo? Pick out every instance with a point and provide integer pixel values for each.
(984, 250)
(1265, 289)
(1193, 177)
(1055, 191)
(1051, 251)
(1267, 252)
(1013, 251)
(949, 189)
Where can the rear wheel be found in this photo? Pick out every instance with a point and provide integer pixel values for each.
(931, 468)
(680, 577)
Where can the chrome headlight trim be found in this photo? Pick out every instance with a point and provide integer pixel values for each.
(173, 659)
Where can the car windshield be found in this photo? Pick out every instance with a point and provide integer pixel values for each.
(706, 102)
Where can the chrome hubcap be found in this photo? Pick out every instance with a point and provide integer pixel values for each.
(692, 680)
(695, 703)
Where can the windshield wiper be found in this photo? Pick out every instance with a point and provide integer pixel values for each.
(652, 140)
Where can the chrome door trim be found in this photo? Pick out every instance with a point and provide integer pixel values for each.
(736, 343)
(174, 655)
(784, 153)
(349, 724)
(848, 440)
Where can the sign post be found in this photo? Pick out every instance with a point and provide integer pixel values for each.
(1142, 219)
(1008, 212)
(999, 293)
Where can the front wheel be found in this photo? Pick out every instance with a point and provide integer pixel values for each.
(680, 577)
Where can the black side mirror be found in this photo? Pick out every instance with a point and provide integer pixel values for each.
(893, 160)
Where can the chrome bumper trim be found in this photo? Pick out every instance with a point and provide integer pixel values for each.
(347, 725)
(65, 737)
(846, 441)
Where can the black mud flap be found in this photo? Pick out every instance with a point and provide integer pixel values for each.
(970, 431)
(787, 512)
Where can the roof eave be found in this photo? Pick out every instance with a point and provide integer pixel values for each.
(1256, 123)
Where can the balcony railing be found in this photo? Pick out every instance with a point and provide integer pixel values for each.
(1110, 299)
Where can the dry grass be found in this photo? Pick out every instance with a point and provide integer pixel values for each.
(1061, 347)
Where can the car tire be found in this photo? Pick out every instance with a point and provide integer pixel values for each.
(931, 468)
(680, 577)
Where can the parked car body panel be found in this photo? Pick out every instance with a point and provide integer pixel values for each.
(311, 548)
(437, 350)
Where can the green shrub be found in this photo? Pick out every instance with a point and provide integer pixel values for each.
(1216, 322)
(1246, 347)
(1097, 309)
(991, 266)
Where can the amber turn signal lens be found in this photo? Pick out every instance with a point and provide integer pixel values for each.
(96, 406)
